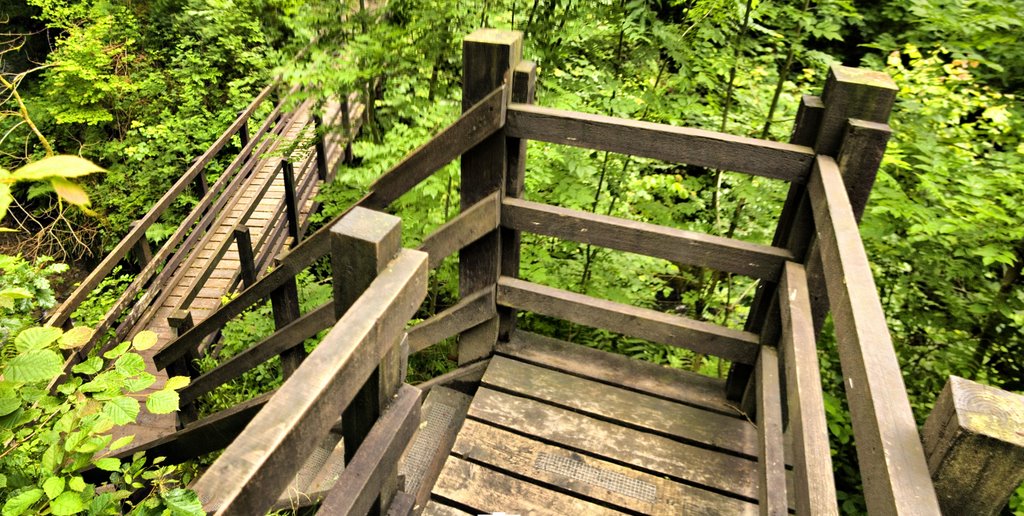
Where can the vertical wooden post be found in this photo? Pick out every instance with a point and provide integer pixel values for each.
(974, 444)
(851, 96)
(346, 124)
(362, 245)
(291, 205)
(199, 183)
(181, 322)
(142, 251)
(321, 151)
(243, 134)
(285, 302)
(524, 88)
(489, 56)
(246, 257)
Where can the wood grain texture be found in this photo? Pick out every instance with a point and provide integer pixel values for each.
(814, 486)
(505, 451)
(437, 509)
(889, 452)
(466, 228)
(771, 463)
(467, 313)
(649, 452)
(256, 467)
(664, 142)
(610, 368)
(361, 481)
(643, 323)
(624, 407)
(676, 245)
(974, 442)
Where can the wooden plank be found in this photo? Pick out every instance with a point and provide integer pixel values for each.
(443, 414)
(292, 335)
(676, 245)
(643, 323)
(467, 313)
(361, 481)
(614, 485)
(468, 227)
(889, 452)
(257, 466)
(664, 142)
(614, 369)
(475, 125)
(771, 464)
(814, 486)
(652, 453)
(488, 491)
(436, 509)
(622, 407)
(402, 505)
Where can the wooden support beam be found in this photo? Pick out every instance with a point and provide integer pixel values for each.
(659, 141)
(320, 148)
(467, 313)
(889, 452)
(771, 461)
(284, 301)
(246, 258)
(676, 245)
(290, 202)
(466, 228)
(974, 441)
(142, 251)
(488, 58)
(247, 478)
(643, 323)
(813, 484)
(181, 322)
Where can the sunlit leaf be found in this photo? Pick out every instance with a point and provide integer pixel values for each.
(64, 166)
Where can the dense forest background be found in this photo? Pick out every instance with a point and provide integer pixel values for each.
(142, 87)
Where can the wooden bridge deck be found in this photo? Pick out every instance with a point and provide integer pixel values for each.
(225, 275)
(558, 428)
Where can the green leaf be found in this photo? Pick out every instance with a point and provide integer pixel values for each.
(5, 199)
(162, 402)
(90, 366)
(183, 502)
(70, 192)
(21, 503)
(144, 340)
(8, 405)
(142, 381)
(34, 366)
(3, 480)
(53, 487)
(75, 337)
(122, 442)
(76, 484)
(69, 502)
(130, 364)
(56, 166)
(37, 338)
(121, 410)
(177, 382)
(108, 464)
(118, 351)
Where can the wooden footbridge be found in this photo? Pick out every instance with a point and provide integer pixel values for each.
(532, 425)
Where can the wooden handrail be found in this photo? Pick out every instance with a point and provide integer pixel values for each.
(676, 245)
(466, 228)
(889, 451)
(659, 141)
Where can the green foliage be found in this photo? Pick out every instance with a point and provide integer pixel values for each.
(25, 291)
(47, 436)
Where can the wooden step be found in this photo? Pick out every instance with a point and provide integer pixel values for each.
(443, 413)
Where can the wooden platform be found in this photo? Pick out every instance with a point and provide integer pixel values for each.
(557, 428)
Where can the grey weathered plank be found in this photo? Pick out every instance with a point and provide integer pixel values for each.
(771, 463)
(611, 368)
(665, 142)
(437, 509)
(679, 246)
(619, 486)
(465, 314)
(814, 487)
(264, 458)
(889, 452)
(638, 322)
(623, 407)
(281, 340)
(466, 228)
(443, 414)
(474, 126)
(402, 505)
(488, 491)
(361, 482)
(974, 441)
(652, 453)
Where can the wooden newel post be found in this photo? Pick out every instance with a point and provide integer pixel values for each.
(974, 444)
(290, 201)
(489, 56)
(246, 257)
(243, 134)
(285, 303)
(321, 150)
(362, 245)
(200, 183)
(181, 322)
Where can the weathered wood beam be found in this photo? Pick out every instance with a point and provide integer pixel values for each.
(643, 323)
(466, 228)
(676, 245)
(664, 142)
(771, 460)
(467, 313)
